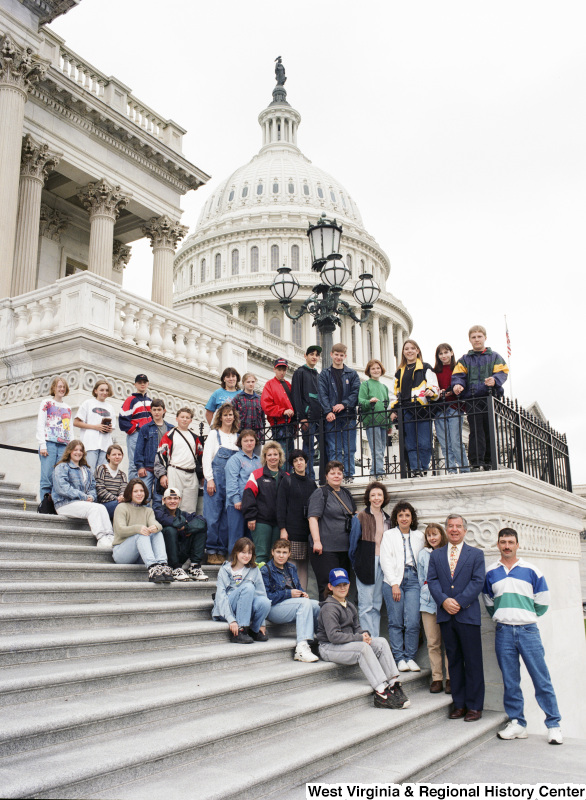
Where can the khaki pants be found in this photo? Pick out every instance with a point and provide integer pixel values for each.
(187, 485)
(433, 635)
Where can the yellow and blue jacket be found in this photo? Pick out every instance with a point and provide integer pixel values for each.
(472, 370)
(423, 378)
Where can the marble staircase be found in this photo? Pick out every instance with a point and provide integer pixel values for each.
(114, 687)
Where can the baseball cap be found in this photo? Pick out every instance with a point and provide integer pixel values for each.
(171, 492)
(313, 347)
(337, 576)
(141, 377)
(281, 362)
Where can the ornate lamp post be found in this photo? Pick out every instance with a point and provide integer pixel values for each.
(324, 304)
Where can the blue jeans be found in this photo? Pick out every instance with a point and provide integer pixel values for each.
(237, 527)
(94, 458)
(305, 612)
(149, 549)
(149, 482)
(370, 600)
(377, 441)
(249, 608)
(403, 617)
(285, 435)
(448, 429)
(417, 432)
(340, 438)
(55, 451)
(131, 440)
(512, 641)
(111, 507)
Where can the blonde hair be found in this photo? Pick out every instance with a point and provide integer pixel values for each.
(248, 375)
(54, 383)
(272, 446)
(101, 383)
(403, 359)
(477, 329)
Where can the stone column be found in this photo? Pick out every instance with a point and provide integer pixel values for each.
(375, 336)
(19, 70)
(260, 313)
(235, 310)
(36, 163)
(120, 257)
(391, 348)
(287, 332)
(399, 344)
(364, 337)
(104, 203)
(164, 235)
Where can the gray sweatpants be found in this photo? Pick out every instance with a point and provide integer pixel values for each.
(375, 660)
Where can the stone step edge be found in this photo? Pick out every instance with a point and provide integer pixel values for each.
(21, 612)
(33, 516)
(47, 767)
(80, 566)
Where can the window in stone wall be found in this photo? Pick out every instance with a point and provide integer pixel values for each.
(291, 188)
(349, 262)
(191, 275)
(259, 188)
(235, 262)
(275, 256)
(275, 188)
(297, 332)
(295, 258)
(332, 196)
(231, 196)
(305, 189)
(202, 271)
(254, 259)
(320, 192)
(245, 191)
(275, 326)
(218, 266)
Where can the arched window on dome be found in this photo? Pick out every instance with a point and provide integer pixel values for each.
(254, 259)
(191, 275)
(275, 188)
(333, 196)
(291, 188)
(306, 190)
(235, 261)
(362, 268)
(320, 192)
(259, 188)
(202, 271)
(297, 332)
(231, 196)
(219, 200)
(245, 191)
(295, 258)
(343, 200)
(275, 256)
(218, 266)
(349, 265)
(275, 326)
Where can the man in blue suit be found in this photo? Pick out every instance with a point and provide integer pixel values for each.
(455, 578)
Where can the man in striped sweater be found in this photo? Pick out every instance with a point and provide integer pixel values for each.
(516, 594)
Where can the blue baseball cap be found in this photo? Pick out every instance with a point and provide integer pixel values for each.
(337, 576)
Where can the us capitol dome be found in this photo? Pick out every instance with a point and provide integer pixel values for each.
(256, 221)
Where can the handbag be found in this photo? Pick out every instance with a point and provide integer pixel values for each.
(46, 506)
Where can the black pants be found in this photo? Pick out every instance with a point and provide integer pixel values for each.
(181, 547)
(322, 564)
(479, 452)
(464, 651)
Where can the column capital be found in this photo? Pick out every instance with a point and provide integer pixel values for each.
(20, 68)
(120, 255)
(36, 161)
(52, 223)
(102, 199)
(163, 232)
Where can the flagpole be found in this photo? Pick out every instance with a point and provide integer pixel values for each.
(509, 358)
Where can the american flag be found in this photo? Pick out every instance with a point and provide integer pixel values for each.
(508, 340)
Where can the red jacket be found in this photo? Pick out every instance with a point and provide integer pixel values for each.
(274, 402)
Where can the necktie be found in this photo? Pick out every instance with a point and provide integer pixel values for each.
(453, 559)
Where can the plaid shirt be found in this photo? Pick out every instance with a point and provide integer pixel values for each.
(251, 414)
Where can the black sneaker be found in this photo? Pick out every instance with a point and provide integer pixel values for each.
(396, 691)
(241, 637)
(156, 574)
(167, 573)
(381, 700)
(258, 636)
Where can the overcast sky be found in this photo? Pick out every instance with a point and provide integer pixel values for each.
(459, 129)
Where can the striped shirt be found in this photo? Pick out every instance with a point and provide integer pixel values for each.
(516, 596)
(107, 486)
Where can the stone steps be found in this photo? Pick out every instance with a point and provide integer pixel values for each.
(19, 518)
(49, 571)
(13, 492)
(103, 592)
(45, 535)
(194, 743)
(15, 551)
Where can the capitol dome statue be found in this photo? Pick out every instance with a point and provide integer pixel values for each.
(256, 221)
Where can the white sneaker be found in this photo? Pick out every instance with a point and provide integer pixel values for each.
(303, 653)
(513, 730)
(105, 542)
(197, 574)
(402, 666)
(413, 666)
(554, 736)
(180, 575)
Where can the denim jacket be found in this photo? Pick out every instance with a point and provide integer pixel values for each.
(147, 444)
(226, 584)
(426, 601)
(275, 581)
(72, 483)
(238, 469)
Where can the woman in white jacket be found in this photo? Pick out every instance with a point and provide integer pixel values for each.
(398, 559)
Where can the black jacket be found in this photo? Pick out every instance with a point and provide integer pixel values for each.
(292, 501)
(259, 499)
(305, 393)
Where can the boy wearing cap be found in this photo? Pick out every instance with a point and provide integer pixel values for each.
(306, 400)
(185, 537)
(135, 412)
(277, 403)
(342, 641)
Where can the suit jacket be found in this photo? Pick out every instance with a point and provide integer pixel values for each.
(464, 587)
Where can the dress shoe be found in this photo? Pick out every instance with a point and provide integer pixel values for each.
(472, 716)
(458, 713)
(436, 687)
(448, 688)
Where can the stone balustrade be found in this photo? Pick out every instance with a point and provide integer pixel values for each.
(85, 301)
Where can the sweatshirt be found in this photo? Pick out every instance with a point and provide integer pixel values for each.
(338, 625)
(129, 519)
